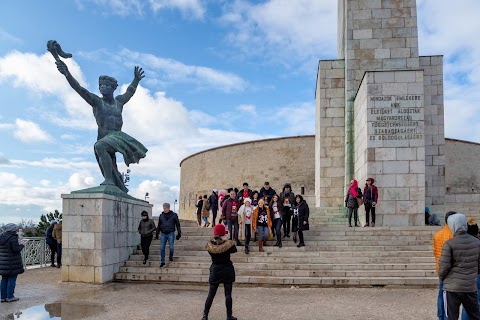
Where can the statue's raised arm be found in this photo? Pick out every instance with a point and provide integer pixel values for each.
(138, 75)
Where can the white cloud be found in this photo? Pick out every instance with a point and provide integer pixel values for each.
(30, 132)
(189, 8)
(57, 163)
(173, 71)
(158, 193)
(288, 32)
(6, 37)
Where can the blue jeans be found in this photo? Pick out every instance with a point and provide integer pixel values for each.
(233, 223)
(8, 286)
(440, 308)
(262, 233)
(464, 313)
(163, 241)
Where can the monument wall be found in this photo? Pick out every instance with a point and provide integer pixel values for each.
(330, 134)
(277, 161)
(462, 170)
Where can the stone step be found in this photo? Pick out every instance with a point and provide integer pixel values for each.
(285, 273)
(305, 258)
(359, 231)
(326, 237)
(201, 241)
(315, 248)
(292, 266)
(309, 281)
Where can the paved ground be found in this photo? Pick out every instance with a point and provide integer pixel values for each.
(39, 287)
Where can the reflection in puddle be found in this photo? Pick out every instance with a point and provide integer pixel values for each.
(59, 310)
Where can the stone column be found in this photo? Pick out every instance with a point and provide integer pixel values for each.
(99, 234)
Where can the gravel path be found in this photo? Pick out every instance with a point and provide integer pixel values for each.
(38, 287)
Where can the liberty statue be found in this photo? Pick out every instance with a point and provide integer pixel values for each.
(108, 114)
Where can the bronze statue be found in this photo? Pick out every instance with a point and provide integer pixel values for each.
(108, 114)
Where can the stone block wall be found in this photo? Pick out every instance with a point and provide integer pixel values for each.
(434, 130)
(277, 161)
(390, 145)
(98, 235)
(462, 169)
(330, 133)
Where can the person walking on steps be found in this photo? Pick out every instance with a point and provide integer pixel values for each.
(51, 242)
(213, 200)
(287, 198)
(11, 264)
(230, 215)
(262, 222)
(245, 215)
(205, 212)
(221, 270)
(303, 215)
(276, 210)
(352, 202)
(167, 223)
(370, 199)
(146, 228)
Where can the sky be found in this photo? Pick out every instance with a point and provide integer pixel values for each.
(216, 72)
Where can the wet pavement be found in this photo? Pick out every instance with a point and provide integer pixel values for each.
(43, 296)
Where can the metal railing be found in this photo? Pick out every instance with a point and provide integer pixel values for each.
(36, 252)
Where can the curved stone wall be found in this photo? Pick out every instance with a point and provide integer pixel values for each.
(279, 160)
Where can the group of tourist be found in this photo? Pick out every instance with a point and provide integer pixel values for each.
(251, 214)
(456, 248)
(355, 199)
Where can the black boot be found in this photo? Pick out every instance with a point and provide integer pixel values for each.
(276, 244)
(247, 250)
(205, 315)
(280, 244)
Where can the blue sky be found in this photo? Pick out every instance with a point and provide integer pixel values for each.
(217, 72)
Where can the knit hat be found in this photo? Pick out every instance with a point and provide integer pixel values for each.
(11, 227)
(219, 230)
(371, 179)
(247, 199)
(53, 222)
(144, 213)
(214, 190)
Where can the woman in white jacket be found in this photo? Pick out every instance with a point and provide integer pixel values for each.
(245, 214)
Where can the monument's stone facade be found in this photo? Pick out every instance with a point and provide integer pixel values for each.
(99, 233)
(392, 114)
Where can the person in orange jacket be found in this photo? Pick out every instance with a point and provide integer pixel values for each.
(439, 240)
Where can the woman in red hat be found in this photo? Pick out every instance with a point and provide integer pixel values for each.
(370, 198)
(221, 270)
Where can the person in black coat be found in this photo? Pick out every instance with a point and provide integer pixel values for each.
(302, 213)
(11, 264)
(51, 242)
(352, 202)
(221, 270)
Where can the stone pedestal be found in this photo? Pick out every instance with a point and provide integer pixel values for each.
(99, 233)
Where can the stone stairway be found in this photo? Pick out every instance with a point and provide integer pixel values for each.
(333, 256)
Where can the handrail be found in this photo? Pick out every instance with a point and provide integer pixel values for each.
(36, 252)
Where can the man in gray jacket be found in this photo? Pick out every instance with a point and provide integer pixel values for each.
(459, 268)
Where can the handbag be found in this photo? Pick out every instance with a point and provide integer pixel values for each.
(359, 202)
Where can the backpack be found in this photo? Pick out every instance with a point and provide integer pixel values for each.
(209, 204)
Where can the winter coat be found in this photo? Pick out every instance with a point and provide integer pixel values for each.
(473, 230)
(267, 194)
(351, 201)
(227, 209)
(221, 269)
(168, 222)
(240, 197)
(303, 215)
(205, 212)
(372, 195)
(439, 240)
(49, 237)
(255, 218)
(10, 258)
(146, 228)
(279, 208)
(57, 233)
(241, 221)
(459, 262)
(291, 200)
(199, 206)
(213, 201)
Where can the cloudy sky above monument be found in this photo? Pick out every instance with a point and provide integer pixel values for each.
(217, 72)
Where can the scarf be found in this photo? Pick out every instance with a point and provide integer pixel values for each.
(353, 189)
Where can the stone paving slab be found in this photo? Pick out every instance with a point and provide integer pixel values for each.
(160, 301)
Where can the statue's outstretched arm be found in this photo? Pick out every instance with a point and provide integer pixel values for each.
(89, 97)
(138, 75)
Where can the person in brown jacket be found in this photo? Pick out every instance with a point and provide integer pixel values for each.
(57, 235)
(205, 212)
(459, 265)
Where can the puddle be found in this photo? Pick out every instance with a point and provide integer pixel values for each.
(59, 310)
